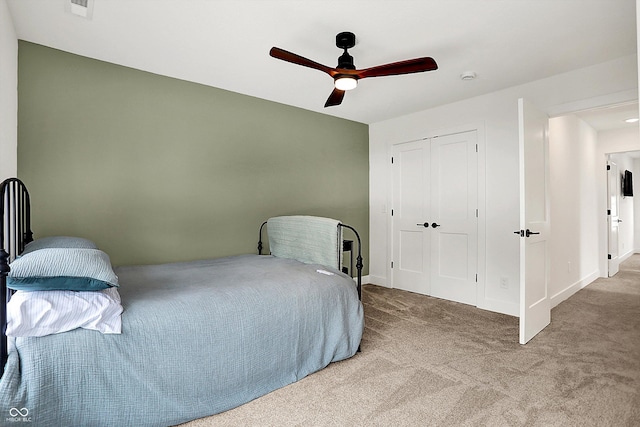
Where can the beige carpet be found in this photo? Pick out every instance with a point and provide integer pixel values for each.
(429, 362)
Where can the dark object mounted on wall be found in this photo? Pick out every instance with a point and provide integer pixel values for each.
(627, 184)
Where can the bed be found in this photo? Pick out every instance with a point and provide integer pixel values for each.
(196, 338)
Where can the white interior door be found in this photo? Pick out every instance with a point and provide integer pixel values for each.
(535, 306)
(410, 268)
(454, 201)
(434, 223)
(613, 217)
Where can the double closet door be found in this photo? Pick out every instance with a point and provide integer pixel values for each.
(435, 217)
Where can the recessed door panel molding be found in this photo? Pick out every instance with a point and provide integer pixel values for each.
(536, 188)
(454, 258)
(537, 292)
(452, 177)
(411, 257)
(410, 202)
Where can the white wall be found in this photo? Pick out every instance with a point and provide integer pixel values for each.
(8, 95)
(496, 117)
(574, 241)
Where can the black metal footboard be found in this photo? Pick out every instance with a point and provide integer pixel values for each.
(15, 233)
(359, 263)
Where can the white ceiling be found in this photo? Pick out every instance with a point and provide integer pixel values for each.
(612, 117)
(225, 44)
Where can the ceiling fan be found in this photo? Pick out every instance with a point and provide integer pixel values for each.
(345, 75)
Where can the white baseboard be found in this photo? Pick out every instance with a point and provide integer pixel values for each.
(572, 289)
(626, 256)
(510, 308)
(365, 279)
(498, 306)
(376, 280)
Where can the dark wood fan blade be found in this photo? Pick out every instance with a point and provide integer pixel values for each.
(284, 55)
(335, 98)
(409, 66)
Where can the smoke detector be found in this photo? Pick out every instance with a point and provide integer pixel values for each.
(468, 75)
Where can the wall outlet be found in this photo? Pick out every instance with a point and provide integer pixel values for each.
(504, 282)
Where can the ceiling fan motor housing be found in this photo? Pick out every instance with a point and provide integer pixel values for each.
(345, 61)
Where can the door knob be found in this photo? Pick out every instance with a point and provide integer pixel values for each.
(529, 232)
(435, 225)
(425, 225)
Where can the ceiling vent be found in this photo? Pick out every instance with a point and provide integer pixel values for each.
(81, 8)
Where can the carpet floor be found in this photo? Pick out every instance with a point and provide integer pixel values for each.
(430, 362)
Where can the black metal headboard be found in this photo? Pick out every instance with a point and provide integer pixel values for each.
(15, 233)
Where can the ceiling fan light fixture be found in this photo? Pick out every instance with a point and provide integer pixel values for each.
(345, 82)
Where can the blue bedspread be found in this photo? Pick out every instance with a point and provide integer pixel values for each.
(198, 338)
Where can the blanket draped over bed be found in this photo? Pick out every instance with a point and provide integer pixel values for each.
(308, 239)
(269, 322)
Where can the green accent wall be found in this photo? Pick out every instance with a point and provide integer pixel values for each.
(155, 169)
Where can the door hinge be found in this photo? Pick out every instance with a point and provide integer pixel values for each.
(476, 277)
(608, 167)
(391, 212)
(608, 256)
(476, 148)
(476, 213)
(391, 264)
(391, 159)
(608, 211)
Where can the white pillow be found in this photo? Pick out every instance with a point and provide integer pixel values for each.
(39, 313)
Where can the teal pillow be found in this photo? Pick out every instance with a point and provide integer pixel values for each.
(58, 242)
(68, 269)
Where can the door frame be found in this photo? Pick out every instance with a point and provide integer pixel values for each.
(479, 127)
(613, 257)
